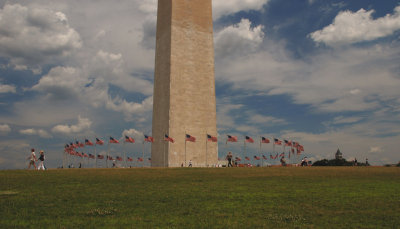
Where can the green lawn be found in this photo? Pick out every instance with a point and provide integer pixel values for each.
(334, 197)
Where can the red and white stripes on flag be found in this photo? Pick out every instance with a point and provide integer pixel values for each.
(211, 138)
(168, 138)
(231, 139)
(129, 139)
(190, 138)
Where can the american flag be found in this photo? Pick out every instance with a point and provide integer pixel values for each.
(79, 144)
(277, 141)
(190, 138)
(257, 157)
(130, 159)
(91, 156)
(211, 138)
(288, 143)
(232, 139)
(247, 158)
(73, 145)
(238, 158)
(85, 155)
(282, 154)
(264, 140)
(100, 156)
(88, 142)
(265, 158)
(119, 158)
(168, 138)
(249, 139)
(113, 140)
(140, 159)
(148, 138)
(99, 141)
(109, 158)
(129, 139)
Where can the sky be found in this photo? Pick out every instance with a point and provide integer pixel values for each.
(322, 73)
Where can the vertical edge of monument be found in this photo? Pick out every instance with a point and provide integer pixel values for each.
(185, 76)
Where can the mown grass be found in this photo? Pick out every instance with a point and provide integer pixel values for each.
(351, 197)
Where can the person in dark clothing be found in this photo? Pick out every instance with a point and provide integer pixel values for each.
(229, 158)
(41, 159)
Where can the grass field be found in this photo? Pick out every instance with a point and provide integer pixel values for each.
(334, 197)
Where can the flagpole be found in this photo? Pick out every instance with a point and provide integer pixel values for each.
(262, 158)
(108, 153)
(273, 146)
(165, 142)
(143, 154)
(95, 156)
(206, 149)
(185, 148)
(123, 150)
(244, 148)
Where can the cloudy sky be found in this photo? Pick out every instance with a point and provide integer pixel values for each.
(323, 73)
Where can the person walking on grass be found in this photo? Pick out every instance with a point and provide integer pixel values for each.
(32, 159)
(41, 160)
(229, 158)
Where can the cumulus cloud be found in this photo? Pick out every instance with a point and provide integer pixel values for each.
(111, 67)
(31, 36)
(132, 133)
(375, 149)
(7, 88)
(62, 83)
(4, 129)
(28, 131)
(40, 132)
(353, 79)
(222, 7)
(82, 125)
(238, 39)
(346, 120)
(349, 27)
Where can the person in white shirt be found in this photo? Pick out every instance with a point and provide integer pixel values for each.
(32, 159)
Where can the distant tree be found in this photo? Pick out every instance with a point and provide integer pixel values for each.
(333, 162)
(398, 164)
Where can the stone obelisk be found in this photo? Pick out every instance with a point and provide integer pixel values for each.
(184, 85)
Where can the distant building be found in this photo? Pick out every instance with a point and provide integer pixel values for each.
(338, 155)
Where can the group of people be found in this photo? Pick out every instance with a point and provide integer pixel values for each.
(33, 159)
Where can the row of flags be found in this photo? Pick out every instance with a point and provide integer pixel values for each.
(140, 159)
(230, 138)
(263, 157)
(101, 157)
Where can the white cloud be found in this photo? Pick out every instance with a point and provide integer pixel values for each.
(223, 7)
(33, 36)
(136, 134)
(4, 129)
(264, 120)
(62, 83)
(346, 120)
(238, 39)
(7, 88)
(82, 125)
(352, 79)
(349, 27)
(28, 131)
(42, 133)
(375, 149)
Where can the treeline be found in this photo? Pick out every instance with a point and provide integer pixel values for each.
(338, 162)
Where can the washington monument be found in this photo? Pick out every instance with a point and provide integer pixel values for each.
(184, 85)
